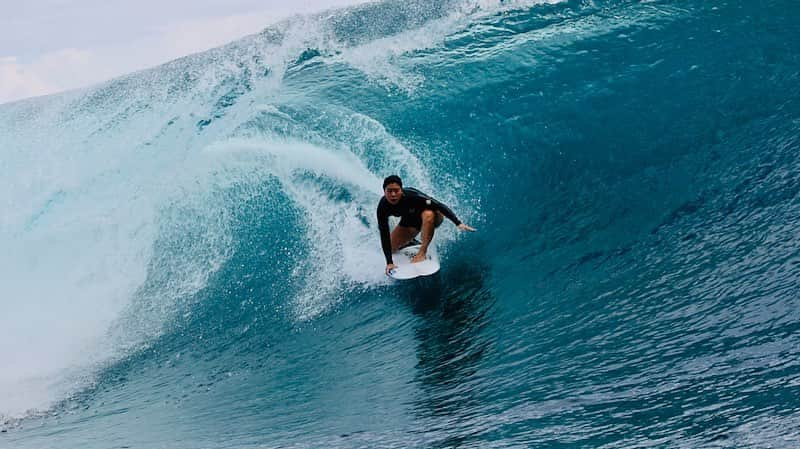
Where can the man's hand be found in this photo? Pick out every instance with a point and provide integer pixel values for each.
(390, 267)
(464, 227)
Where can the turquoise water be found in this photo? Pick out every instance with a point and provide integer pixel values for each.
(191, 259)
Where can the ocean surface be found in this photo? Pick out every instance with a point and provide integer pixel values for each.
(190, 255)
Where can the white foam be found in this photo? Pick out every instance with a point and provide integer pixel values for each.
(344, 241)
(80, 223)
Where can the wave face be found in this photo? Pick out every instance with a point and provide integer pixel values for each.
(190, 253)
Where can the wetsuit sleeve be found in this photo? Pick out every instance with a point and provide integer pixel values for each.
(383, 227)
(446, 211)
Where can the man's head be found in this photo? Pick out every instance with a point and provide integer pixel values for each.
(393, 189)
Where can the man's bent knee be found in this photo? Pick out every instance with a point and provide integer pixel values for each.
(428, 216)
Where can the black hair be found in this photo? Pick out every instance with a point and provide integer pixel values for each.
(392, 179)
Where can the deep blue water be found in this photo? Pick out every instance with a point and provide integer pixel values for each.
(191, 259)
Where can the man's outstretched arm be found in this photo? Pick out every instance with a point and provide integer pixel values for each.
(386, 240)
(447, 212)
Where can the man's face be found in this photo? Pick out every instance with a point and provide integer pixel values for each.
(393, 192)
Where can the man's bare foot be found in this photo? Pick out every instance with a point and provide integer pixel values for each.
(419, 257)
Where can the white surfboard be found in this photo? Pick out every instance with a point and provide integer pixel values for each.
(404, 269)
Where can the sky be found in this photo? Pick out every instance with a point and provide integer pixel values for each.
(48, 46)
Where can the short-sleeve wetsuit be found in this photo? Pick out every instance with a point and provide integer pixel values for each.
(409, 209)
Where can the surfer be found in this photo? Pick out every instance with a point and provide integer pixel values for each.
(417, 212)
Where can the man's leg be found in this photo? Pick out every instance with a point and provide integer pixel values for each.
(402, 235)
(430, 221)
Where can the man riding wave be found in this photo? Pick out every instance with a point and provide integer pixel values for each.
(418, 212)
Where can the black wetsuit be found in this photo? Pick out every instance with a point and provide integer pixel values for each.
(409, 209)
